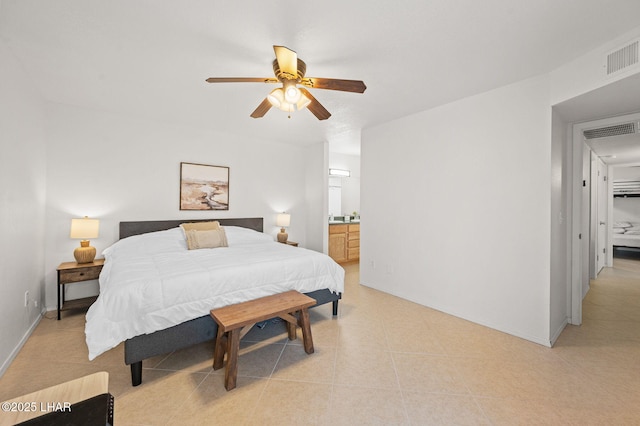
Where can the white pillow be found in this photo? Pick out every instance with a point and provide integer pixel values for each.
(622, 225)
(618, 230)
(237, 235)
(636, 232)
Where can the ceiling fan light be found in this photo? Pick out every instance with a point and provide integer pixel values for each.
(276, 98)
(292, 94)
(287, 107)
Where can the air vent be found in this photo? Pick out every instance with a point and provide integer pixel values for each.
(623, 58)
(606, 132)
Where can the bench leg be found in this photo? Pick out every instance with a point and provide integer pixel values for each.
(233, 347)
(305, 324)
(219, 349)
(291, 329)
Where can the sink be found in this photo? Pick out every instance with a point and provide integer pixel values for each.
(336, 221)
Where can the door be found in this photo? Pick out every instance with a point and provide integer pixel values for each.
(602, 220)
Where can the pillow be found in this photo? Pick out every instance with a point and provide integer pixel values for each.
(632, 233)
(237, 235)
(622, 225)
(202, 226)
(633, 228)
(211, 238)
(618, 230)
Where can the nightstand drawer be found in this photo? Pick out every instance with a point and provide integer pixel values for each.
(80, 274)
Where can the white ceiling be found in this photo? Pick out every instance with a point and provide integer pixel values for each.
(618, 150)
(150, 58)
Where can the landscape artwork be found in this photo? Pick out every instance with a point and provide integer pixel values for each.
(204, 187)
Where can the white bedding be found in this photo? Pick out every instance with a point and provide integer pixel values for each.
(626, 240)
(151, 282)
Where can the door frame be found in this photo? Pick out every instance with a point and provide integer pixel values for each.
(581, 219)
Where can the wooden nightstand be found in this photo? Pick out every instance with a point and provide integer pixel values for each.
(72, 272)
(291, 243)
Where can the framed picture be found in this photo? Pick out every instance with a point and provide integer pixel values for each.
(204, 187)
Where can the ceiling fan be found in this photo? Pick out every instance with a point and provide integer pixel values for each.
(290, 70)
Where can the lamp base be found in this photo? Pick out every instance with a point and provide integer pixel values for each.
(282, 236)
(85, 253)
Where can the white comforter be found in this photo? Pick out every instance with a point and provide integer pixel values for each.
(151, 282)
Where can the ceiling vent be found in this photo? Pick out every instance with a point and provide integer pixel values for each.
(616, 130)
(621, 59)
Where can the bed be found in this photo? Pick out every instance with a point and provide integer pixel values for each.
(149, 325)
(626, 234)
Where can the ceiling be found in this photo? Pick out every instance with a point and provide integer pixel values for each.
(618, 150)
(150, 58)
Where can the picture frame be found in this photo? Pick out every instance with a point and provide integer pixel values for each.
(204, 187)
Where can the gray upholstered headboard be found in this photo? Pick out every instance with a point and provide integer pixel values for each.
(128, 229)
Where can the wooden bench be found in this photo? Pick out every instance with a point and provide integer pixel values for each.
(231, 319)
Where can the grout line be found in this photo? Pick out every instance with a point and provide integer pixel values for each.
(277, 361)
(402, 391)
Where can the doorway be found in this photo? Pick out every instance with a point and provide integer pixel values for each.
(594, 219)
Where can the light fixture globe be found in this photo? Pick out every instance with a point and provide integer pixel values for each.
(292, 94)
(276, 97)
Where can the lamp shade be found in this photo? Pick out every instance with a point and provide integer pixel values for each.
(283, 219)
(85, 228)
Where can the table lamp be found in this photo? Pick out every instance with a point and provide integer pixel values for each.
(283, 220)
(84, 229)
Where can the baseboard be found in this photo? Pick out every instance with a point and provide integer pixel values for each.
(555, 335)
(16, 350)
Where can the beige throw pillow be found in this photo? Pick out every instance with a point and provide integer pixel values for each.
(206, 239)
(200, 226)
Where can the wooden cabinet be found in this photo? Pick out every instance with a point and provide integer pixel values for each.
(338, 242)
(353, 242)
(344, 242)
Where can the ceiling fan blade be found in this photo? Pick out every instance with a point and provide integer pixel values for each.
(356, 86)
(315, 107)
(287, 60)
(262, 109)
(241, 80)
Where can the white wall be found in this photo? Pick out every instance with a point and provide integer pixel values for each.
(560, 187)
(626, 209)
(22, 205)
(316, 197)
(119, 168)
(471, 181)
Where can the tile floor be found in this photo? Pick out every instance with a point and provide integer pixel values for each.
(373, 366)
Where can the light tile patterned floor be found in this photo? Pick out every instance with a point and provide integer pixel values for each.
(372, 366)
